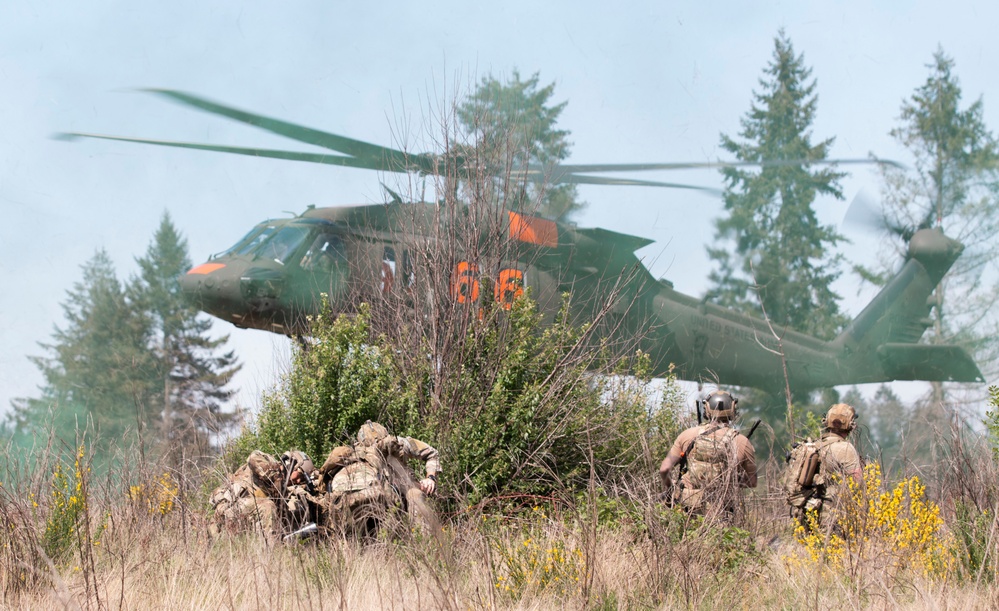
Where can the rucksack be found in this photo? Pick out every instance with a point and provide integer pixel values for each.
(800, 480)
(708, 457)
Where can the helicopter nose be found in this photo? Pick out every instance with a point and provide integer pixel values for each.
(211, 287)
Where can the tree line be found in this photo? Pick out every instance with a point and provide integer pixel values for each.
(133, 365)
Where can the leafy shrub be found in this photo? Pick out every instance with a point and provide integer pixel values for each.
(973, 530)
(535, 562)
(896, 529)
(513, 408)
(158, 497)
(992, 422)
(67, 510)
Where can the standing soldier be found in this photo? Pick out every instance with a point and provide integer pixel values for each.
(715, 461)
(818, 472)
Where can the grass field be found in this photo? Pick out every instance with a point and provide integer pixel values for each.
(137, 537)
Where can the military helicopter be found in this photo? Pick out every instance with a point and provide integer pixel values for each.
(273, 277)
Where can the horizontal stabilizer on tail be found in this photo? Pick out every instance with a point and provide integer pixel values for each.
(924, 362)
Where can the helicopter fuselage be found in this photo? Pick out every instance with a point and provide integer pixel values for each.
(274, 277)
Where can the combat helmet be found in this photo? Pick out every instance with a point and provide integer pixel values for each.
(841, 418)
(297, 460)
(370, 432)
(720, 405)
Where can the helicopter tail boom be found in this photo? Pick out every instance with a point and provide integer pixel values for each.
(886, 333)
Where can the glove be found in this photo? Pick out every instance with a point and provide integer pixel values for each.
(429, 485)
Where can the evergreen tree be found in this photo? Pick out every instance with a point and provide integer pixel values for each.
(513, 126)
(779, 253)
(193, 372)
(952, 185)
(99, 371)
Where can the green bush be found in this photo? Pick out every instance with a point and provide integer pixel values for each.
(992, 421)
(514, 411)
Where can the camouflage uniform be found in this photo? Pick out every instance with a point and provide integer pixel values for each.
(259, 497)
(370, 482)
(838, 463)
(720, 460)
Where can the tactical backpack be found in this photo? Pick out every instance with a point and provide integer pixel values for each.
(802, 480)
(708, 458)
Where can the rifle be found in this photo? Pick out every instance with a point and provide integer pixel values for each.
(304, 532)
(752, 430)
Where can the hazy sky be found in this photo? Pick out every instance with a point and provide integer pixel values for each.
(645, 81)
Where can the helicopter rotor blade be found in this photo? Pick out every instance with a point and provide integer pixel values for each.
(582, 179)
(644, 167)
(360, 154)
(863, 214)
(379, 156)
(376, 157)
(322, 158)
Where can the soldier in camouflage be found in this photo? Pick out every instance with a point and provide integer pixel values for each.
(266, 495)
(715, 461)
(369, 484)
(838, 464)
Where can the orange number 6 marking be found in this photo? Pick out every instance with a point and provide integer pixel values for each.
(465, 282)
(509, 287)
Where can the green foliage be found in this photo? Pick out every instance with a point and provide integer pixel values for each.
(531, 562)
(780, 257)
(973, 529)
(992, 422)
(338, 380)
(66, 509)
(194, 373)
(513, 411)
(886, 420)
(100, 370)
(808, 423)
(952, 184)
(732, 548)
(130, 361)
(718, 547)
(513, 126)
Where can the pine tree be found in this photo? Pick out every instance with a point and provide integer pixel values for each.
(953, 185)
(513, 126)
(779, 253)
(99, 371)
(193, 373)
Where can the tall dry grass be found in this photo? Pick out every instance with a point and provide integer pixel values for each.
(138, 538)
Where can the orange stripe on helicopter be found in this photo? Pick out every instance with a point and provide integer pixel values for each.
(533, 230)
(205, 268)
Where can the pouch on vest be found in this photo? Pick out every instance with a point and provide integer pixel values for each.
(802, 466)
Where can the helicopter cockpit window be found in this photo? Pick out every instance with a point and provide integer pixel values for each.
(326, 252)
(252, 238)
(283, 244)
(256, 237)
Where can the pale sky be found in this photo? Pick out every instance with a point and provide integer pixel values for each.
(645, 81)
